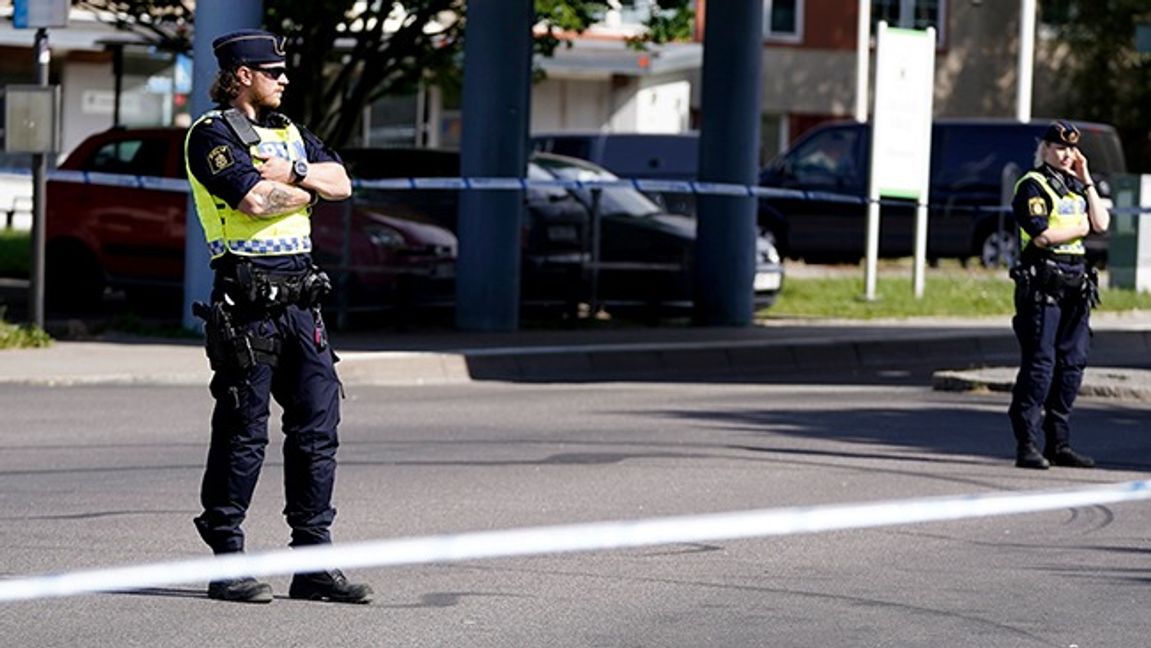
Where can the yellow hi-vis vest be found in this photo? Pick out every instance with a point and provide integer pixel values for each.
(231, 230)
(1068, 210)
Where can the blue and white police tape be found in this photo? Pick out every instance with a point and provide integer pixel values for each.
(571, 538)
(516, 184)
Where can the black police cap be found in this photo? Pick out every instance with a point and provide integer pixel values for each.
(1062, 132)
(248, 47)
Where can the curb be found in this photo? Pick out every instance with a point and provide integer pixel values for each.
(781, 356)
(1100, 382)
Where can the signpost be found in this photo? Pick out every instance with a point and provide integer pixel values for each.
(33, 113)
(901, 137)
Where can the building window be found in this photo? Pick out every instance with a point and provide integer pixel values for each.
(910, 14)
(783, 20)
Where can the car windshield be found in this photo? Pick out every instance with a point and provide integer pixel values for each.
(615, 201)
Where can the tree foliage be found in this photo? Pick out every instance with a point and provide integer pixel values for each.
(346, 54)
(1109, 80)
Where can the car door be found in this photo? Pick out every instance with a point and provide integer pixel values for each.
(140, 229)
(828, 221)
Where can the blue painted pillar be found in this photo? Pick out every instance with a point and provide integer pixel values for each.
(214, 18)
(496, 105)
(729, 152)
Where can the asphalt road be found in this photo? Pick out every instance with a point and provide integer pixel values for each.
(97, 476)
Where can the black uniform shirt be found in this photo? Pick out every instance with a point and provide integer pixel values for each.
(222, 163)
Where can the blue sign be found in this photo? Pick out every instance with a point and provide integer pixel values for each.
(34, 14)
(1143, 39)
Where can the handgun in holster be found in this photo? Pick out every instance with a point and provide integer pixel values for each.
(228, 348)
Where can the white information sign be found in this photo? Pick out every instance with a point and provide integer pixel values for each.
(901, 125)
(901, 135)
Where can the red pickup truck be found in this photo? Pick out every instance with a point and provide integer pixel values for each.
(116, 217)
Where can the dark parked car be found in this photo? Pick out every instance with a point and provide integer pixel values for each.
(644, 253)
(106, 228)
(658, 156)
(972, 162)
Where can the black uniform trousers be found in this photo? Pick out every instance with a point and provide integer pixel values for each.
(305, 384)
(1054, 341)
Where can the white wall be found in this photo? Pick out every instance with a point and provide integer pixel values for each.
(663, 107)
(87, 90)
(571, 105)
(618, 104)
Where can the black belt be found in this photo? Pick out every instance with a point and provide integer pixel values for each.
(1072, 259)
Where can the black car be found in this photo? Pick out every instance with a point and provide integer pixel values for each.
(974, 164)
(642, 256)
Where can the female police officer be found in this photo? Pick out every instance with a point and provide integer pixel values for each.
(254, 175)
(1056, 204)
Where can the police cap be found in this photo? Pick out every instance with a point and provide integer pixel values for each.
(248, 47)
(1062, 132)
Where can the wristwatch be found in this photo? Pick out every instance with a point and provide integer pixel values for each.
(299, 171)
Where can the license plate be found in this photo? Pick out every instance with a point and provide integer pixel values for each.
(767, 281)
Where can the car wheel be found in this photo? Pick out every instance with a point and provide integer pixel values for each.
(998, 249)
(73, 278)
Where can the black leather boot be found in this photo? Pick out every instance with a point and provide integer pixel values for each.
(329, 586)
(1028, 456)
(1064, 456)
(241, 590)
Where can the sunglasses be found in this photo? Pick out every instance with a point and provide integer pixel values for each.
(273, 73)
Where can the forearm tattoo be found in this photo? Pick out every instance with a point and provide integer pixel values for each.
(277, 200)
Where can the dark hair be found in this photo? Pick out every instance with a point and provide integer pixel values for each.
(225, 88)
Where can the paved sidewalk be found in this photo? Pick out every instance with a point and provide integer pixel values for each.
(984, 349)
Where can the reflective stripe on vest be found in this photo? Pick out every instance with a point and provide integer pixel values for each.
(231, 230)
(1066, 211)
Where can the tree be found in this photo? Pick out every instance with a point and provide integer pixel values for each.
(1108, 80)
(348, 54)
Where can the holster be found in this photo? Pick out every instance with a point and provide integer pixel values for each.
(233, 348)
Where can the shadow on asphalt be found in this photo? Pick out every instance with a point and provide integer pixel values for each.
(1115, 436)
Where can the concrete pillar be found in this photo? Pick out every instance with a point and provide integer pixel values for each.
(729, 144)
(496, 106)
(214, 18)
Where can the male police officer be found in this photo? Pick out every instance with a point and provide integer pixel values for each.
(254, 176)
(1056, 204)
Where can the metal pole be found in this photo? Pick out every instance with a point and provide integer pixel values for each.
(596, 236)
(1026, 60)
(871, 240)
(117, 81)
(39, 195)
(862, 59)
(343, 283)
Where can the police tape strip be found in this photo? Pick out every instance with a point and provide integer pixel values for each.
(570, 538)
(519, 184)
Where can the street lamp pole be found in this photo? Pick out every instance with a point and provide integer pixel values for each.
(1026, 60)
(39, 194)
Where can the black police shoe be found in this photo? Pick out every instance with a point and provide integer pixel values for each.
(1028, 456)
(1065, 456)
(329, 586)
(242, 590)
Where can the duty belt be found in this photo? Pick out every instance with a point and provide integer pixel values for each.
(248, 286)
